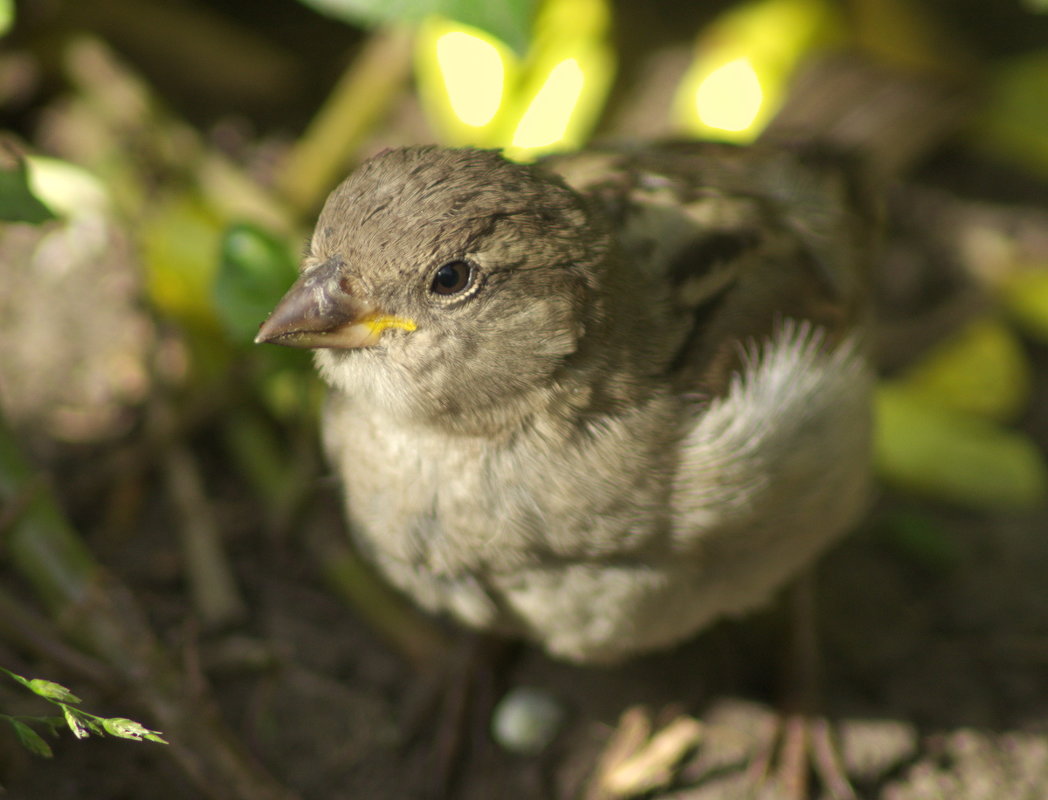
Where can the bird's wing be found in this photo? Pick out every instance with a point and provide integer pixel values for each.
(744, 239)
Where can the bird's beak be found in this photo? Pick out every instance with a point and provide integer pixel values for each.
(318, 312)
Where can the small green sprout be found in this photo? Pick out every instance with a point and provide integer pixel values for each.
(80, 722)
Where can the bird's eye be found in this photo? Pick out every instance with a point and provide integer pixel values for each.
(451, 278)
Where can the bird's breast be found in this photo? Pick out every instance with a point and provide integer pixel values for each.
(452, 505)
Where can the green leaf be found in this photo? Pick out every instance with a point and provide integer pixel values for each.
(31, 740)
(922, 446)
(1025, 295)
(921, 539)
(980, 369)
(7, 15)
(374, 12)
(509, 20)
(1013, 118)
(179, 238)
(17, 201)
(76, 722)
(52, 691)
(255, 269)
(129, 729)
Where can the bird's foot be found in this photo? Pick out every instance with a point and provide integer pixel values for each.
(801, 745)
(802, 741)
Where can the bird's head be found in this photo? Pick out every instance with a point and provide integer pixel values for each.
(442, 282)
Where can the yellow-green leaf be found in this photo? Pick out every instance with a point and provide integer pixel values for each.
(1025, 297)
(981, 370)
(77, 723)
(7, 15)
(928, 448)
(180, 246)
(52, 691)
(1013, 122)
(129, 729)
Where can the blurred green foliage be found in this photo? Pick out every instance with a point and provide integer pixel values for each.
(923, 446)
(254, 270)
(17, 201)
(217, 242)
(919, 538)
(1014, 121)
(509, 20)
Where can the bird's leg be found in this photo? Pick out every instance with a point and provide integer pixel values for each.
(803, 739)
(451, 706)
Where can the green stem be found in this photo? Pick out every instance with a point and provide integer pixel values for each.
(364, 93)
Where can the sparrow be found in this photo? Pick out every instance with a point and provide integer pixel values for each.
(598, 401)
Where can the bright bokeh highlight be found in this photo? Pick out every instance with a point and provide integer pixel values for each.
(730, 97)
(478, 91)
(473, 76)
(744, 63)
(66, 189)
(546, 119)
